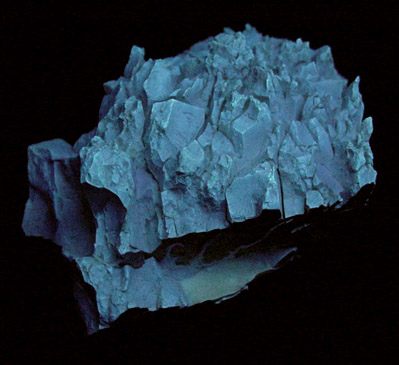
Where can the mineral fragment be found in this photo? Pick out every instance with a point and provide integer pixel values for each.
(238, 124)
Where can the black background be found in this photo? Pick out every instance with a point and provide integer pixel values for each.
(339, 302)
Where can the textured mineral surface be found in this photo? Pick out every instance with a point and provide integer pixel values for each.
(186, 148)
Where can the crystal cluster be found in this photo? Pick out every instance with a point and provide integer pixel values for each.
(238, 124)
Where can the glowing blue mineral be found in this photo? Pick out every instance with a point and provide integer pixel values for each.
(237, 124)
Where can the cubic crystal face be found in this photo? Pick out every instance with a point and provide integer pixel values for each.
(238, 124)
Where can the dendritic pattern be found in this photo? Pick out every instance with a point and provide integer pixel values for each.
(238, 124)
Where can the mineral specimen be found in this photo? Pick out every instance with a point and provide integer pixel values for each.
(237, 125)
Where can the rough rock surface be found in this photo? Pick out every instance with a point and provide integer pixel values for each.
(237, 124)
